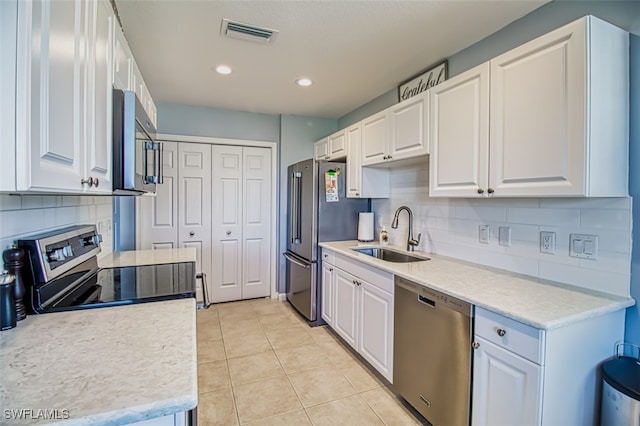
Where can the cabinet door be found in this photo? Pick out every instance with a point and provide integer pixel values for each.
(321, 149)
(227, 223)
(375, 135)
(328, 284)
(122, 60)
(99, 111)
(375, 321)
(459, 135)
(50, 107)
(256, 229)
(346, 307)
(507, 389)
(538, 116)
(8, 42)
(354, 159)
(408, 128)
(158, 216)
(337, 145)
(194, 202)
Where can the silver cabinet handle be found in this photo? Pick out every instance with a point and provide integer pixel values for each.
(501, 332)
(490, 191)
(330, 269)
(87, 181)
(191, 234)
(480, 191)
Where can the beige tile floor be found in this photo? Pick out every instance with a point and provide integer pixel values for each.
(260, 364)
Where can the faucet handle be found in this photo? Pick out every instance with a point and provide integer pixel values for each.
(413, 242)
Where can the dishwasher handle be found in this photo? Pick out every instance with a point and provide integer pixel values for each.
(426, 301)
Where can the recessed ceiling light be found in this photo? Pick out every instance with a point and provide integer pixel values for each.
(304, 82)
(223, 69)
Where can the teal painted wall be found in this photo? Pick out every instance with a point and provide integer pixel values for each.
(217, 123)
(632, 331)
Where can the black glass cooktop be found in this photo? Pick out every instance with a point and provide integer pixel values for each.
(117, 286)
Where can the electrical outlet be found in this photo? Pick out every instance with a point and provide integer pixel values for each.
(547, 242)
(504, 236)
(583, 246)
(483, 234)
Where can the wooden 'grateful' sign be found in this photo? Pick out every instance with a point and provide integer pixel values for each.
(423, 81)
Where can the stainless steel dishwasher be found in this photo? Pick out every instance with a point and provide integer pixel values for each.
(432, 353)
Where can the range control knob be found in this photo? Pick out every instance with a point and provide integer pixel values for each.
(66, 250)
(55, 255)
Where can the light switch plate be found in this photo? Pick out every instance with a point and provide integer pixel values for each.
(583, 246)
(483, 234)
(547, 242)
(504, 236)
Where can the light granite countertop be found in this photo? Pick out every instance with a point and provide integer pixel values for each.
(539, 303)
(147, 257)
(104, 366)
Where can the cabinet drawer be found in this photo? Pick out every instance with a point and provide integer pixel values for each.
(375, 276)
(328, 256)
(519, 338)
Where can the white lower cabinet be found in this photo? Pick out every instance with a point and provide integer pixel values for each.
(328, 285)
(506, 387)
(357, 302)
(526, 376)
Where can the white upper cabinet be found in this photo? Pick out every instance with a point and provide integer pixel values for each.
(460, 134)
(127, 75)
(61, 104)
(559, 113)
(321, 150)
(397, 133)
(122, 60)
(8, 34)
(99, 108)
(337, 145)
(363, 182)
(557, 119)
(408, 128)
(331, 148)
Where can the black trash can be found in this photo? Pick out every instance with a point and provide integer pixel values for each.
(621, 392)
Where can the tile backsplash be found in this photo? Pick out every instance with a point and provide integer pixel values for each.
(450, 227)
(24, 215)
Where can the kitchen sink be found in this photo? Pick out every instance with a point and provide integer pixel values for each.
(390, 255)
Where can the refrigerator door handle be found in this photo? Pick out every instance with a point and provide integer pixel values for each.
(292, 209)
(296, 261)
(298, 179)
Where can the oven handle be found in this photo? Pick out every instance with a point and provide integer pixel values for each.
(205, 291)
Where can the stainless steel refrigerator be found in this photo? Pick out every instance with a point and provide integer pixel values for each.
(318, 210)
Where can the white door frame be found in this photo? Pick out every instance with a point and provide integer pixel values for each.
(274, 177)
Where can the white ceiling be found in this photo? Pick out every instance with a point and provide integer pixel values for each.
(353, 50)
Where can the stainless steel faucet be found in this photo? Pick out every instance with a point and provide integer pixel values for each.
(411, 242)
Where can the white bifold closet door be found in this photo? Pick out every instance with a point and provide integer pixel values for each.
(241, 218)
(217, 199)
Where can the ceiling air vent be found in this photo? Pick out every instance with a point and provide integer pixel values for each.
(247, 32)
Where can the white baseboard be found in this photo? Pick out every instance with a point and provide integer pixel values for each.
(281, 296)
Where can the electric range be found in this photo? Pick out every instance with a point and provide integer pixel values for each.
(61, 274)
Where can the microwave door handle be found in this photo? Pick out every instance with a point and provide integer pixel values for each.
(145, 162)
(160, 177)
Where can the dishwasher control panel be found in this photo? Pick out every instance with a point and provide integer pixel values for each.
(432, 297)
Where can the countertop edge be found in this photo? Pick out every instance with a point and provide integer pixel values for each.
(615, 302)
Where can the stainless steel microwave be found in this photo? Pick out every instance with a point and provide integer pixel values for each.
(137, 157)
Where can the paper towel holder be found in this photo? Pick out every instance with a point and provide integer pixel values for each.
(365, 227)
